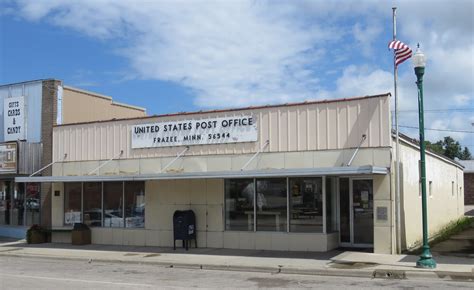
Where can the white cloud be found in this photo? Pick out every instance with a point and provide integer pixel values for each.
(463, 100)
(228, 53)
(267, 51)
(236, 53)
(361, 81)
(365, 36)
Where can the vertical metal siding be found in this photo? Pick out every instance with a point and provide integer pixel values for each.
(321, 126)
(30, 155)
(33, 93)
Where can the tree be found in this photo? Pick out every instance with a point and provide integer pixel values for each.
(435, 147)
(465, 155)
(449, 148)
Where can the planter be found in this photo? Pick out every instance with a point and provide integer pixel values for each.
(81, 237)
(36, 237)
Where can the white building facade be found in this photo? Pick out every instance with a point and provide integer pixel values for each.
(309, 176)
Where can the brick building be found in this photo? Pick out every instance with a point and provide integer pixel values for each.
(29, 110)
(468, 181)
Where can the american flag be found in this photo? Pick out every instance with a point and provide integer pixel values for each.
(402, 51)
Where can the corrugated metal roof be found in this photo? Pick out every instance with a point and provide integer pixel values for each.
(300, 172)
(234, 109)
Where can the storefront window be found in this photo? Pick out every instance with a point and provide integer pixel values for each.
(72, 203)
(331, 205)
(5, 202)
(92, 200)
(271, 202)
(344, 206)
(113, 204)
(134, 204)
(239, 209)
(32, 203)
(17, 212)
(306, 205)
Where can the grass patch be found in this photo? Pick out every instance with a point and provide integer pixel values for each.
(453, 228)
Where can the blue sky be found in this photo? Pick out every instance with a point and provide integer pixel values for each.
(172, 56)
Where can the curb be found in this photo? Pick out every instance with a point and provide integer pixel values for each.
(237, 268)
(356, 273)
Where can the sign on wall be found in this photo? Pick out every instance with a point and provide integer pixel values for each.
(14, 118)
(233, 129)
(8, 158)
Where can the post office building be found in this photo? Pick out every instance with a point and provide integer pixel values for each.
(309, 176)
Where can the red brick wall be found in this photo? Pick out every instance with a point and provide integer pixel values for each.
(468, 188)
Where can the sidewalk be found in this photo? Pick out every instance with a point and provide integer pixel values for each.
(333, 263)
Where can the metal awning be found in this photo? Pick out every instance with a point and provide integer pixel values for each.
(328, 171)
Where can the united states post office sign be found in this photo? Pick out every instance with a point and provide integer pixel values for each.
(233, 129)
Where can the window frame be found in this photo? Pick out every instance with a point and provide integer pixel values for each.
(226, 184)
(288, 206)
(102, 205)
(64, 203)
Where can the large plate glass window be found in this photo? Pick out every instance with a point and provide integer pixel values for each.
(18, 205)
(92, 199)
(72, 203)
(331, 205)
(32, 203)
(271, 202)
(5, 202)
(306, 205)
(239, 200)
(345, 211)
(134, 204)
(113, 204)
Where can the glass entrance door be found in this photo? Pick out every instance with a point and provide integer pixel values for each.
(356, 208)
(362, 212)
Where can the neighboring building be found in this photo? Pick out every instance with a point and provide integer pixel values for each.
(28, 112)
(468, 181)
(309, 176)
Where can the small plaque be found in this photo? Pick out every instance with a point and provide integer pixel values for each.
(57, 193)
(382, 213)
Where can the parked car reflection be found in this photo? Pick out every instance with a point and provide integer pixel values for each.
(32, 203)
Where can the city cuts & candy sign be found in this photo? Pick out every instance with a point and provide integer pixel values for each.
(234, 129)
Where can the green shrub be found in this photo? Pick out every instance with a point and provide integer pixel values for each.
(36, 234)
(444, 233)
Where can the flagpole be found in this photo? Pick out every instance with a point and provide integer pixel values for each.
(397, 148)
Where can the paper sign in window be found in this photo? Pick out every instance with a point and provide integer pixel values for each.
(364, 195)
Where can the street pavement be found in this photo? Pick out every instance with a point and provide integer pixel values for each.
(61, 266)
(333, 263)
(40, 273)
